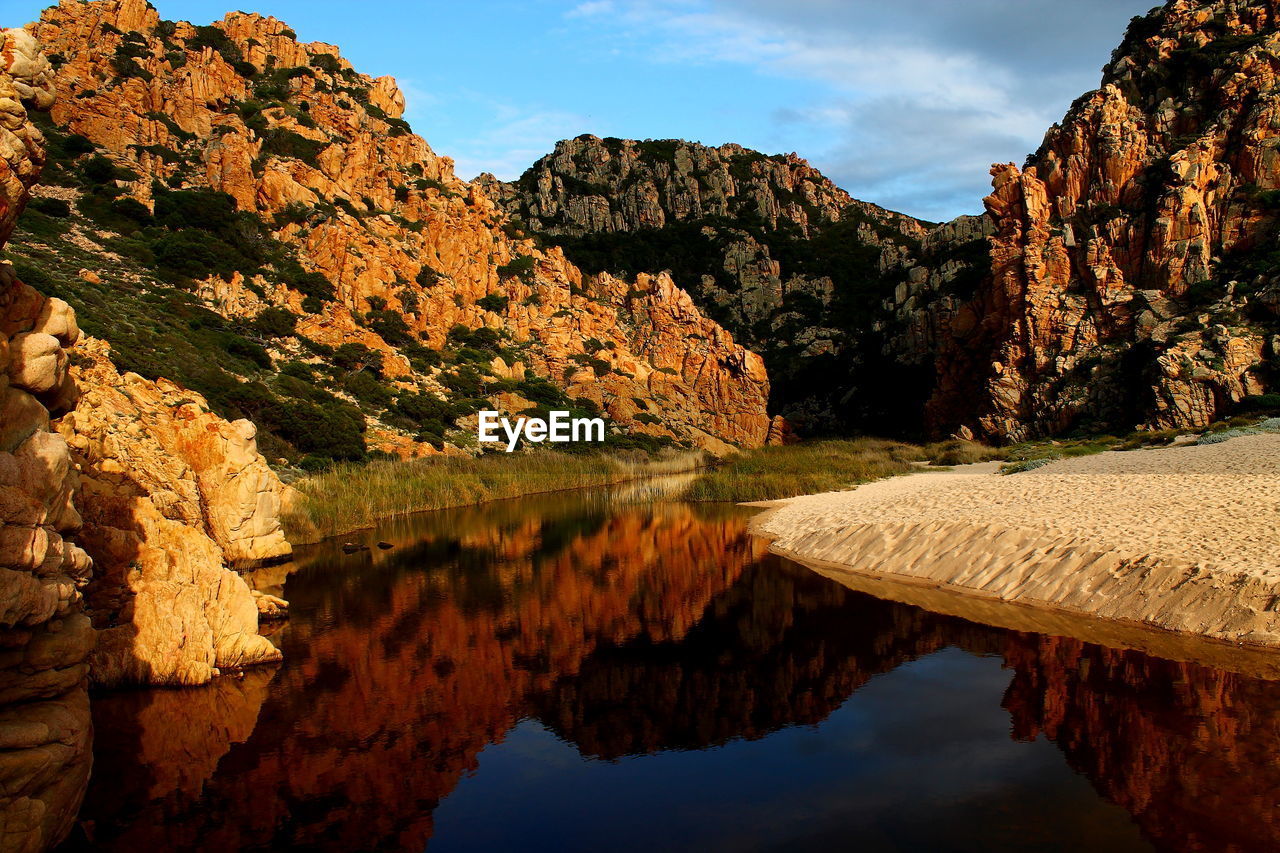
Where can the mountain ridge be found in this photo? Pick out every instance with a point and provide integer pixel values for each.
(766, 244)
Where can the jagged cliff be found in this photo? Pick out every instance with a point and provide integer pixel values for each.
(1133, 281)
(350, 291)
(766, 245)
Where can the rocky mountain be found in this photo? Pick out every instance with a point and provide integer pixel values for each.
(766, 245)
(249, 217)
(1133, 272)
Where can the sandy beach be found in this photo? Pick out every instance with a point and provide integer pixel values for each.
(1179, 539)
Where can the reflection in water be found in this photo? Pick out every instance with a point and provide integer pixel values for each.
(601, 649)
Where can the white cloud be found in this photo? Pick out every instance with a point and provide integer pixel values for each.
(515, 140)
(590, 9)
(915, 99)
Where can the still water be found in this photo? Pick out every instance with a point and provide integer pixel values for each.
(587, 672)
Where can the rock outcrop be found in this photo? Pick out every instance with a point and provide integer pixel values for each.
(374, 242)
(45, 638)
(1123, 278)
(171, 496)
(766, 245)
(1132, 282)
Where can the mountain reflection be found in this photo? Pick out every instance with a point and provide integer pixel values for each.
(626, 630)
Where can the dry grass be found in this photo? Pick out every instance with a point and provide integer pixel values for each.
(800, 469)
(353, 497)
(959, 452)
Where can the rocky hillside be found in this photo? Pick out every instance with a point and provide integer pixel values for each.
(766, 245)
(1134, 277)
(249, 217)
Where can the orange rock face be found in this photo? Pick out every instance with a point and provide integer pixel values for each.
(1127, 283)
(171, 494)
(45, 638)
(370, 206)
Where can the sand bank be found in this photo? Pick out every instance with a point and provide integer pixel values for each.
(1183, 540)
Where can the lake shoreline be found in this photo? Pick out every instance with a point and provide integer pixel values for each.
(1148, 549)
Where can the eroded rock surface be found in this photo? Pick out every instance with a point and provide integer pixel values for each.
(171, 495)
(765, 244)
(45, 638)
(1131, 279)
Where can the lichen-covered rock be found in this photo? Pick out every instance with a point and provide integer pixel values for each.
(170, 494)
(45, 639)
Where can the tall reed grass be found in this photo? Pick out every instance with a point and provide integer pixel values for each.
(771, 473)
(352, 497)
(800, 469)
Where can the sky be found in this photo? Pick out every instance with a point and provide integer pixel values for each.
(905, 104)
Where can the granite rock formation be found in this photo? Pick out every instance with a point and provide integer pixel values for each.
(172, 496)
(161, 494)
(1132, 279)
(1122, 278)
(45, 638)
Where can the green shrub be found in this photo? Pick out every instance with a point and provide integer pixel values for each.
(326, 62)
(1026, 465)
(493, 302)
(1260, 403)
(242, 347)
(365, 388)
(99, 170)
(55, 207)
(334, 432)
(126, 67)
(276, 322)
(219, 41)
(356, 356)
(311, 284)
(280, 142)
(390, 326)
(520, 267)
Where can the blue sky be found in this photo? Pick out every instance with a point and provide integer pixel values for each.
(904, 104)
